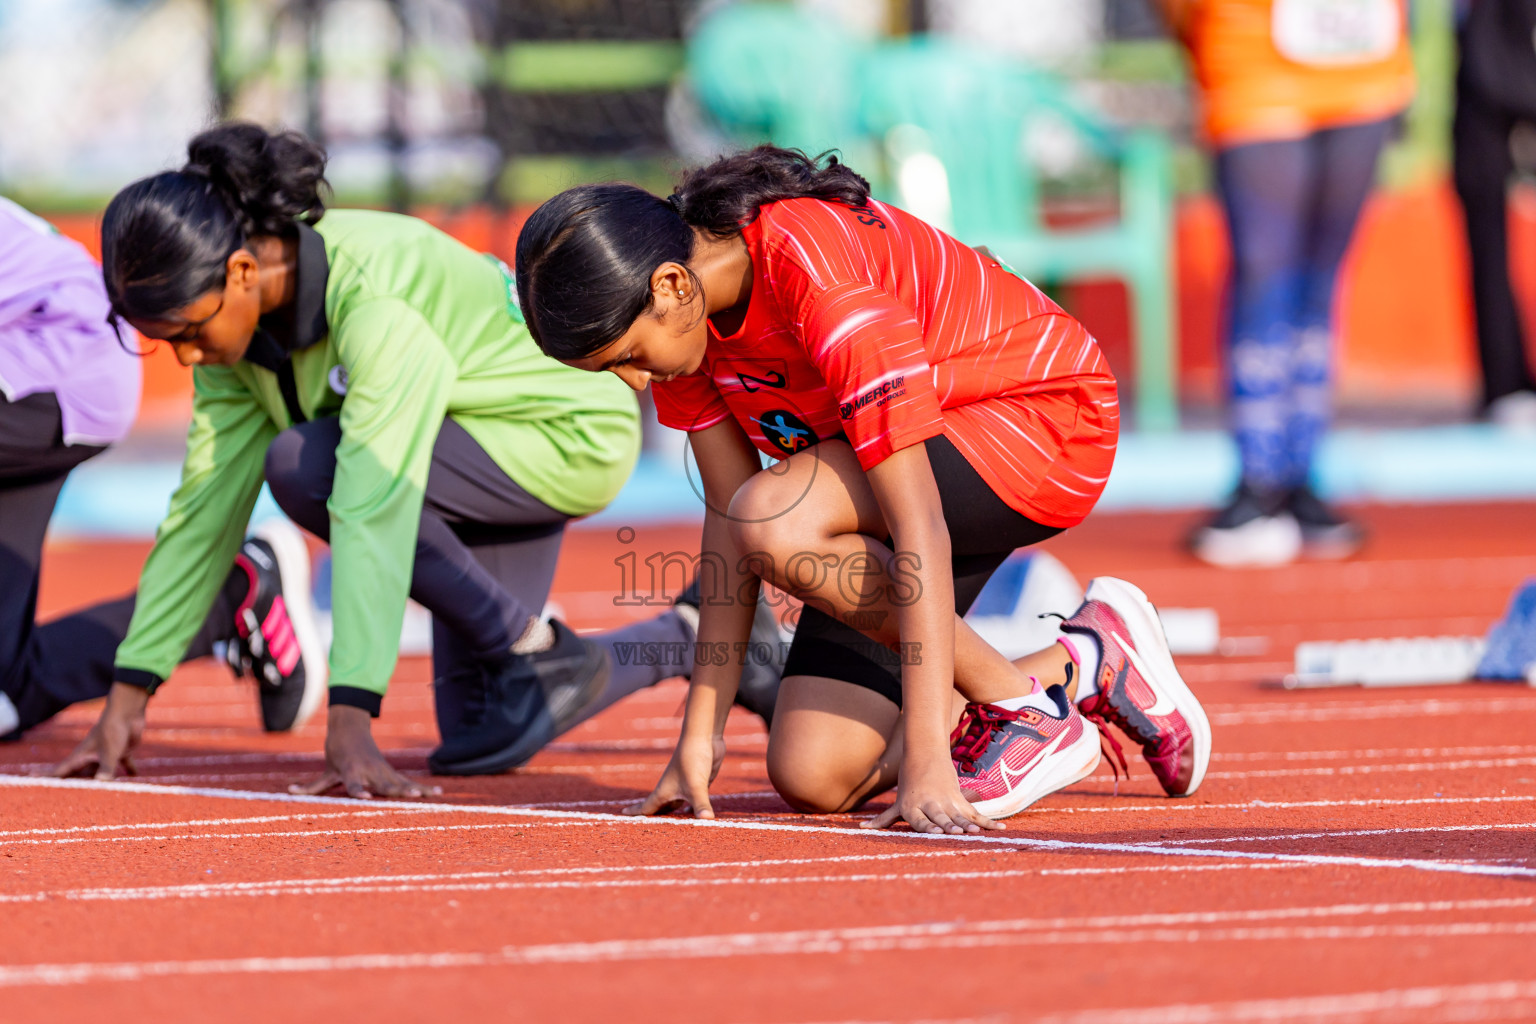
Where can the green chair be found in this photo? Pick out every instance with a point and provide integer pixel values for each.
(954, 121)
(773, 72)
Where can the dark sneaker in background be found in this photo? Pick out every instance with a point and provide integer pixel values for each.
(527, 700)
(1324, 533)
(763, 670)
(1253, 529)
(277, 639)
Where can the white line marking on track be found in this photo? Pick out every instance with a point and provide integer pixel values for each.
(666, 745)
(1404, 830)
(1378, 769)
(1340, 755)
(1158, 928)
(455, 883)
(295, 834)
(1281, 805)
(623, 800)
(1268, 714)
(215, 760)
(1455, 1002)
(1400, 863)
(1123, 807)
(195, 823)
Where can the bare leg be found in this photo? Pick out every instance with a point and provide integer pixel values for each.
(833, 744)
(813, 523)
(1050, 667)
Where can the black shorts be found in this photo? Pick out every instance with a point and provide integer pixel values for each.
(983, 532)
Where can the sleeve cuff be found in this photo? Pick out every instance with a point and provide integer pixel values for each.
(357, 697)
(146, 681)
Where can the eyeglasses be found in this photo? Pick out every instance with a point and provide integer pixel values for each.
(187, 333)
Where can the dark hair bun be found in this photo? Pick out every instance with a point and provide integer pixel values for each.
(269, 179)
(165, 239)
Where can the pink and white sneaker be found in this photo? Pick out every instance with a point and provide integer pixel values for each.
(1010, 759)
(277, 639)
(1140, 690)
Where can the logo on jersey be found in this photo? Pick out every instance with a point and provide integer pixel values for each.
(786, 431)
(337, 379)
(749, 383)
(877, 395)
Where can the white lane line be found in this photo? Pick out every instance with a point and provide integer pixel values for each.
(1378, 769)
(1122, 807)
(1394, 863)
(194, 823)
(451, 883)
(1428, 1003)
(345, 884)
(652, 767)
(1282, 805)
(820, 942)
(559, 769)
(666, 745)
(1404, 830)
(622, 801)
(1269, 714)
(236, 778)
(215, 760)
(293, 834)
(1341, 755)
(744, 739)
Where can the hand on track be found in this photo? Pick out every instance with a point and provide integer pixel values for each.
(353, 762)
(112, 739)
(932, 802)
(685, 783)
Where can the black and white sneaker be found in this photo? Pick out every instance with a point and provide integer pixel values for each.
(763, 669)
(1324, 533)
(526, 701)
(277, 639)
(1253, 529)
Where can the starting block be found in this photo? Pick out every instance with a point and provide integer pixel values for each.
(1017, 610)
(1508, 652)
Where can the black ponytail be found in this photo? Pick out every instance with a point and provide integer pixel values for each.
(724, 197)
(165, 239)
(585, 257)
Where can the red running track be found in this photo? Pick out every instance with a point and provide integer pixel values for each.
(1353, 856)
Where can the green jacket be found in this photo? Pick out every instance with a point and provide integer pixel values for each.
(395, 326)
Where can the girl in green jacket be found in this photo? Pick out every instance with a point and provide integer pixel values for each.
(377, 374)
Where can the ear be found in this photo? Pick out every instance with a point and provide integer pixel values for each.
(242, 270)
(671, 284)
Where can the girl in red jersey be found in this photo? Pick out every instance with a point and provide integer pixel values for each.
(930, 412)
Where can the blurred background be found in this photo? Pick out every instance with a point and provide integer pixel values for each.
(469, 112)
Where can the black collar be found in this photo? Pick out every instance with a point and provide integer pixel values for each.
(283, 332)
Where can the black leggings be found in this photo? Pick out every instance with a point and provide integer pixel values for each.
(485, 558)
(983, 532)
(46, 668)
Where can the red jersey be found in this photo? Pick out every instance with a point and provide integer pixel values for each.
(867, 323)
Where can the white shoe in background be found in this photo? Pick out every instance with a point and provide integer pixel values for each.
(1515, 412)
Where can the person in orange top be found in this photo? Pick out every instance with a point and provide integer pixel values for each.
(1298, 98)
(930, 412)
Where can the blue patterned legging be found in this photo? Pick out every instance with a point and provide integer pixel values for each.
(1291, 208)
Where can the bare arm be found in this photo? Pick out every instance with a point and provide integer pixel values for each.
(726, 461)
(928, 791)
(909, 499)
(728, 599)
